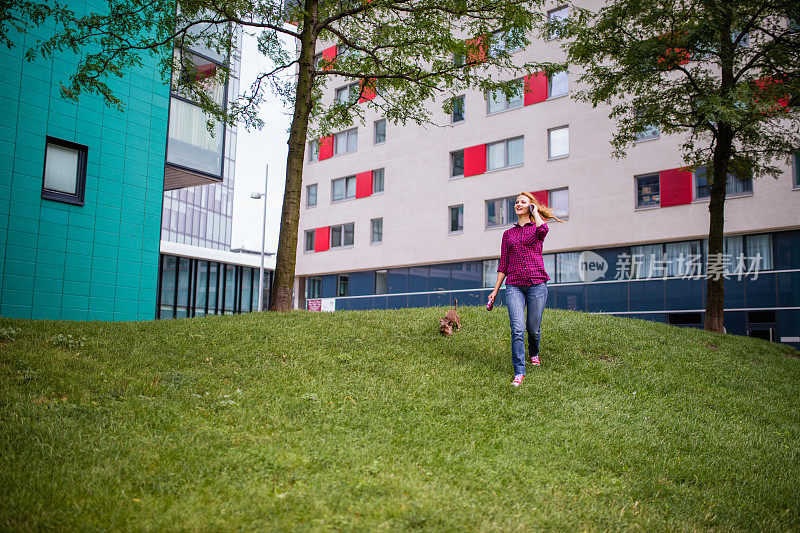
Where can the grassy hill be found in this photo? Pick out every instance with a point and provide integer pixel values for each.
(372, 421)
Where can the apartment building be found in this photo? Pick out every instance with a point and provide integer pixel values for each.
(405, 216)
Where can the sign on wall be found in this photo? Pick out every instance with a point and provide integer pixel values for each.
(326, 305)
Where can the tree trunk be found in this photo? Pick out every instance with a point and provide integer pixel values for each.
(715, 268)
(283, 285)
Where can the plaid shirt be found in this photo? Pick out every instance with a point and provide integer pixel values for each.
(521, 255)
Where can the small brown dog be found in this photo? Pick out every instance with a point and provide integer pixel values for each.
(451, 320)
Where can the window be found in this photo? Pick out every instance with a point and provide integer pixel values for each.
(683, 258)
(311, 195)
(313, 287)
(508, 41)
(647, 261)
(549, 261)
(64, 177)
(733, 186)
(342, 235)
(313, 151)
(568, 267)
(558, 142)
(343, 285)
(380, 131)
(500, 211)
(759, 246)
(343, 50)
(558, 84)
(381, 285)
(497, 100)
(457, 114)
(345, 141)
(649, 132)
(648, 192)
(457, 164)
(797, 170)
(317, 60)
(458, 60)
(377, 181)
(558, 199)
(310, 240)
(376, 235)
(348, 94)
(343, 188)
(456, 218)
(554, 18)
(490, 273)
(745, 42)
(505, 154)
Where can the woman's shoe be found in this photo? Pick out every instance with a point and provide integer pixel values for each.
(518, 380)
(535, 361)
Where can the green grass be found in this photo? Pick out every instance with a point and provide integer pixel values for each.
(372, 421)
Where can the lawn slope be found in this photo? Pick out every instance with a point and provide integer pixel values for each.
(372, 421)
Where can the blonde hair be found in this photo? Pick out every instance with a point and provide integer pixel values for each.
(548, 213)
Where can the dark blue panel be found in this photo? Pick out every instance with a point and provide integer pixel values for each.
(684, 294)
(763, 292)
(329, 286)
(787, 249)
(397, 302)
(734, 322)
(610, 255)
(734, 293)
(552, 290)
(788, 289)
(607, 297)
(397, 279)
(652, 317)
(440, 299)
(360, 303)
(379, 302)
(418, 300)
(501, 297)
(471, 297)
(439, 278)
(571, 297)
(467, 275)
(418, 279)
(362, 283)
(789, 325)
(646, 295)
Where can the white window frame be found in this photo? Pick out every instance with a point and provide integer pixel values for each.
(499, 42)
(341, 228)
(550, 18)
(696, 198)
(347, 134)
(312, 234)
(346, 180)
(562, 216)
(372, 239)
(550, 131)
(309, 283)
(375, 140)
(550, 95)
(450, 230)
(506, 210)
(506, 164)
(313, 151)
(505, 103)
(452, 165)
(636, 190)
(308, 195)
(352, 92)
(383, 181)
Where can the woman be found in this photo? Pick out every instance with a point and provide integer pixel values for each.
(522, 264)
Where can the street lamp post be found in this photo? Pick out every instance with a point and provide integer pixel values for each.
(257, 196)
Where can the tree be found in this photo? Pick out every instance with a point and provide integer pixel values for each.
(722, 73)
(405, 53)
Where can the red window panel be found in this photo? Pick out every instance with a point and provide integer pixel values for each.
(364, 184)
(475, 160)
(367, 90)
(766, 85)
(322, 239)
(673, 57)
(478, 46)
(541, 196)
(326, 147)
(535, 88)
(329, 54)
(675, 187)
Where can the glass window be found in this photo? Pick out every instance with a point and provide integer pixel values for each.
(311, 195)
(647, 261)
(344, 188)
(377, 231)
(568, 267)
(213, 283)
(554, 18)
(314, 287)
(201, 288)
(343, 285)
(347, 94)
(648, 191)
(683, 259)
(498, 100)
(317, 60)
(509, 41)
(230, 288)
(797, 169)
(505, 153)
(558, 84)
(457, 164)
(456, 218)
(345, 141)
(380, 282)
(550, 265)
(458, 110)
(558, 142)
(558, 199)
(490, 273)
(169, 264)
(182, 304)
(759, 246)
(377, 181)
(733, 185)
(499, 212)
(342, 235)
(190, 144)
(64, 171)
(649, 132)
(380, 131)
(313, 151)
(310, 235)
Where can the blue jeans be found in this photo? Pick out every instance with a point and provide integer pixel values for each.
(517, 297)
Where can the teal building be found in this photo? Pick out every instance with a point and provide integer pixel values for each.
(81, 189)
